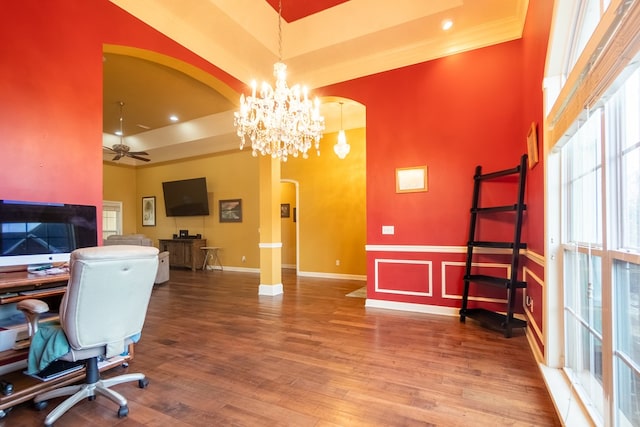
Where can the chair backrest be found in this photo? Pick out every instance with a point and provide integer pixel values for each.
(107, 295)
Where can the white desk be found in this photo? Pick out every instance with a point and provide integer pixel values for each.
(211, 252)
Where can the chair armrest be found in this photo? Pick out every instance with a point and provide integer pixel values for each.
(32, 308)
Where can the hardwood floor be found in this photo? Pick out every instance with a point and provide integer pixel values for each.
(217, 354)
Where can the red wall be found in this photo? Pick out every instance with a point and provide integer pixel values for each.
(51, 94)
(536, 37)
(450, 114)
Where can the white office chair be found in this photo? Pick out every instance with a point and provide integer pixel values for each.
(103, 308)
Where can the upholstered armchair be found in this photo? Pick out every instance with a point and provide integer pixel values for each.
(102, 311)
(142, 240)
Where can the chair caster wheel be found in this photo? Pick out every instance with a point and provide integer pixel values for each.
(123, 411)
(4, 412)
(144, 383)
(40, 405)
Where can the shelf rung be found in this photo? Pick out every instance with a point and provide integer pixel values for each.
(498, 174)
(501, 282)
(506, 208)
(492, 320)
(499, 245)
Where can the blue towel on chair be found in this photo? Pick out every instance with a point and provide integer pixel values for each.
(47, 345)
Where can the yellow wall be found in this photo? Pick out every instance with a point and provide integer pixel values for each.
(331, 209)
(332, 206)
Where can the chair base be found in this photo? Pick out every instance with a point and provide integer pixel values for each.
(89, 390)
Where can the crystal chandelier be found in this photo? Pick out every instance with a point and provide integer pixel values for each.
(341, 148)
(280, 122)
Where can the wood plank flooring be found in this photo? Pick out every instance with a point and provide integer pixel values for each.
(218, 354)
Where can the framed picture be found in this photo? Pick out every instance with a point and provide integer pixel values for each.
(295, 214)
(410, 180)
(285, 210)
(231, 210)
(149, 211)
(532, 145)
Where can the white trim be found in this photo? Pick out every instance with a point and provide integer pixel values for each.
(267, 245)
(535, 257)
(332, 275)
(415, 248)
(242, 269)
(429, 291)
(271, 290)
(526, 273)
(406, 306)
(565, 399)
(437, 249)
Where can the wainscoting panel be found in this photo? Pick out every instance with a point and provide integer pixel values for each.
(417, 277)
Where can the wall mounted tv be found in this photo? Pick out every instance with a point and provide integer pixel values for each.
(43, 233)
(187, 197)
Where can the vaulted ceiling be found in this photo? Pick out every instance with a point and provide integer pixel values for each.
(322, 42)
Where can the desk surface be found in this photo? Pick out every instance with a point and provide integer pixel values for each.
(17, 279)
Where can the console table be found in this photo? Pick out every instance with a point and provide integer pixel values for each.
(184, 252)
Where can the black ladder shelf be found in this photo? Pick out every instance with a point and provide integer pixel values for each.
(503, 322)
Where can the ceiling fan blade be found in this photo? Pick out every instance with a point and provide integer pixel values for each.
(109, 148)
(133, 156)
(144, 153)
(117, 157)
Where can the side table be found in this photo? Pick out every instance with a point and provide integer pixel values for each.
(211, 252)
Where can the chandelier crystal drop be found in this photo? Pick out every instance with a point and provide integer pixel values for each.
(281, 122)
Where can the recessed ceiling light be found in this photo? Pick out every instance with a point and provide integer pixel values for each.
(173, 118)
(447, 24)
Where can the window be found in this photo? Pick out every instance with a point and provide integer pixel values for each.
(627, 347)
(594, 205)
(111, 218)
(601, 258)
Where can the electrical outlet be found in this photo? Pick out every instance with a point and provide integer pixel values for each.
(244, 258)
(337, 262)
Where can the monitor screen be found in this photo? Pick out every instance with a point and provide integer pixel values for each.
(40, 233)
(187, 197)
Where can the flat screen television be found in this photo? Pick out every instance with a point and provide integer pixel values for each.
(187, 197)
(44, 233)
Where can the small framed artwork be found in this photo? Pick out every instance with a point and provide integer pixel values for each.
(230, 210)
(410, 180)
(285, 210)
(532, 145)
(149, 211)
(295, 214)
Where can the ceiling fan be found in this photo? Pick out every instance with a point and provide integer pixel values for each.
(123, 150)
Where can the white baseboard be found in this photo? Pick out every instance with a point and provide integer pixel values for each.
(270, 290)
